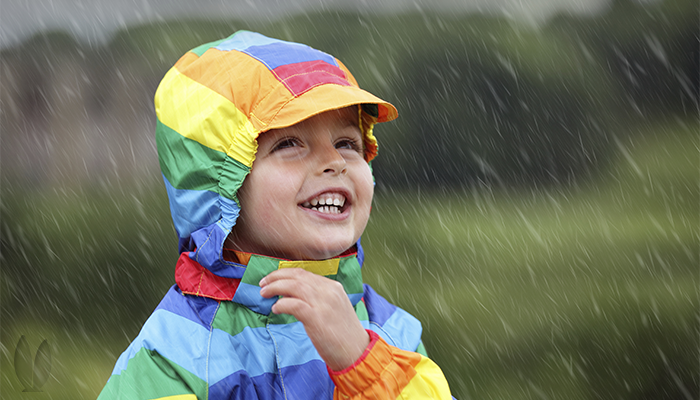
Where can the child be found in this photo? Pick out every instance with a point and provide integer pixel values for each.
(264, 147)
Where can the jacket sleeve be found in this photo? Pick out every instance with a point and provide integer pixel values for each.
(386, 372)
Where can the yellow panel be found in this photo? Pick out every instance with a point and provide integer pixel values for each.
(179, 397)
(324, 267)
(200, 114)
(428, 383)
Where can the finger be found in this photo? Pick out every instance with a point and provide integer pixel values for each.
(295, 307)
(284, 273)
(286, 287)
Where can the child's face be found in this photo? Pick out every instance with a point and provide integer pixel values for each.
(319, 160)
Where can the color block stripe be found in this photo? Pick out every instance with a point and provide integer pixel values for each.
(295, 347)
(255, 350)
(310, 379)
(200, 310)
(210, 240)
(251, 351)
(421, 350)
(174, 337)
(323, 268)
(187, 164)
(233, 318)
(241, 40)
(383, 373)
(150, 376)
(281, 53)
(350, 276)
(380, 310)
(403, 329)
(192, 209)
(245, 387)
(199, 50)
(249, 296)
(194, 279)
(429, 382)
(185, 343)
(187, 106)
(300, 77)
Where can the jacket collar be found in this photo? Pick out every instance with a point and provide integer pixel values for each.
(192, 278)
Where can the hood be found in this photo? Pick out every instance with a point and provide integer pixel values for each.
(212, 105)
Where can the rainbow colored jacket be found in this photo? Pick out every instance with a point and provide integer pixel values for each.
(213, 336)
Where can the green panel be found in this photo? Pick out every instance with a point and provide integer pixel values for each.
(232, 175)
(199, 50)
(421, 349)
(150, 375)
(258, 267)
(282, 319)
(350, 275)
(361, 311)
(233, 317)
(190, 165)
(187, 164)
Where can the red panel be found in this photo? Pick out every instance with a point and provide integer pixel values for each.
(300, 77)
(192, 278)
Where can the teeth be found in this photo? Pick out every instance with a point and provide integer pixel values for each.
(326, 203)
(327, 209)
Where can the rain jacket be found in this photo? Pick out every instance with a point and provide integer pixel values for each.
(213, 336)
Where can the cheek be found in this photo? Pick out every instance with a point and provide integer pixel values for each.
(365, 187)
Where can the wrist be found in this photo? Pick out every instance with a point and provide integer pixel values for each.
(371, 338)
(352, 354)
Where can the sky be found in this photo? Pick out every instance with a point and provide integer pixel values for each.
(93, 21)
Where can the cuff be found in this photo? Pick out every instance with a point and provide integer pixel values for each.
(380, 369)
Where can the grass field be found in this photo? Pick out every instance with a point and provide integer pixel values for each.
(587, 292)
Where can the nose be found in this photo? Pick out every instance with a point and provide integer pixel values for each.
(331, 161)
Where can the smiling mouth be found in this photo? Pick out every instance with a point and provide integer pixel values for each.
(327, 203)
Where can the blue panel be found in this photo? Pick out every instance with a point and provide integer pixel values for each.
(252, 350)
(273, 52)
(293, 344)
(209, 241)
(244, 39)
(241, 386)
(378, 308)
(282, 53)
(403, 329)
(310, 379)
(195, 308)
(187, 344)
(192, 209)
(176, 338)
(249, 296)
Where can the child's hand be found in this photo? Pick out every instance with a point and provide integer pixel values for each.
(325, 310)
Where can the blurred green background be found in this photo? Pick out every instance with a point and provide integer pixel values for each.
(537, 202)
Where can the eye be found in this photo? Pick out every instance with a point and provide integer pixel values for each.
(349, 144)
(285, 143)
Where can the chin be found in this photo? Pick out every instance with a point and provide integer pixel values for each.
(326, 253)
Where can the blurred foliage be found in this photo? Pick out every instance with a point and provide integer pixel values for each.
(581, 293)
(482, 98)
(536, 208)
